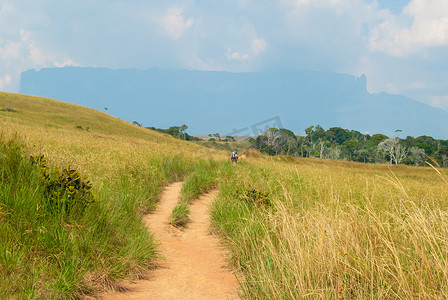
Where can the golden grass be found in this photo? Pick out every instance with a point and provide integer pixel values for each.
(50, 127)
(339, 230)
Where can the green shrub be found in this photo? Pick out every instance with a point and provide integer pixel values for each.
(64, 189)
(253, 196)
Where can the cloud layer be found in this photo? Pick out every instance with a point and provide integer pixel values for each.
(401, 49)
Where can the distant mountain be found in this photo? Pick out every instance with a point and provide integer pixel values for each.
(238, 103)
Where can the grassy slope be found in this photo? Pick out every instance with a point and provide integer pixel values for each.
(128, 166)
(49, 126)
(336, 230)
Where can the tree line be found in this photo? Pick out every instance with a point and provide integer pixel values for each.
(176, 131)
(344, 144)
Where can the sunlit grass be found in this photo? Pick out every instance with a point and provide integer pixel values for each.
(330, 230)
(337, 230)
(50, 257)
(201, 180)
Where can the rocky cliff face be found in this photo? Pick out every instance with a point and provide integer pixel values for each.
(225, 102)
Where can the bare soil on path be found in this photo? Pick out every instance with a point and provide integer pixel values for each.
(194, 264)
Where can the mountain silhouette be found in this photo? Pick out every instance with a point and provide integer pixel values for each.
(237, 103)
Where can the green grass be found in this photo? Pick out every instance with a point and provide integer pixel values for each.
(47, 253)
(180, 215)
(201, 180)
(58, 255)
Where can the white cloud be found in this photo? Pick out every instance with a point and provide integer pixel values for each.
(258, 45)
(347, 36)
(391, 88)
(417, 85)
(10, 50)
(174, 24)
(236, 55)
(21, 51)
(423, 24)
(67, 62)
(438, 101)
(37, 56)
(6, 7)
(5, 81)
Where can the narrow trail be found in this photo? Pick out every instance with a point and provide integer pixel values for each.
(194, 265)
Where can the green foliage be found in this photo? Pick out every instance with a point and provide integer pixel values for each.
(253, 196)
(339, 143)
(64, 189)
(87, 128)
(176, 131)
(55, 246)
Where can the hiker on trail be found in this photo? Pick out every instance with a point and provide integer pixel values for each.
(234, 157)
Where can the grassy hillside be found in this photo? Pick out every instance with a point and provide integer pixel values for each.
(297, 228)
(49, 249)
(323, 229)
(95, 141)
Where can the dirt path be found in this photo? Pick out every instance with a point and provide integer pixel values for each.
(195, 267)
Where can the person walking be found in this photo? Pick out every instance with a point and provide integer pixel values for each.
(234, 157)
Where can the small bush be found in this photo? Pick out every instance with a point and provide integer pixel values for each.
(9, 108)
(253, 196)
(87, 128)
(64, 189)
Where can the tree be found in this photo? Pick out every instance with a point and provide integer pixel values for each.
(309, 132)
(392, 150)
(286, 140)
(182, 130)
(417, 156)
(334, 152)
(272, 136)
(378, 138)
(350, 148)
(338, 135)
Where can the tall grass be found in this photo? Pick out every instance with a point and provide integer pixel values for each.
(46, 253)
(58, 256)
(201, 180)
(337, 231)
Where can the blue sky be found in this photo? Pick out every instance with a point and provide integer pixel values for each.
(401, 45)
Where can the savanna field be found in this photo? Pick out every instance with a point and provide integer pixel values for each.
(70, 224)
